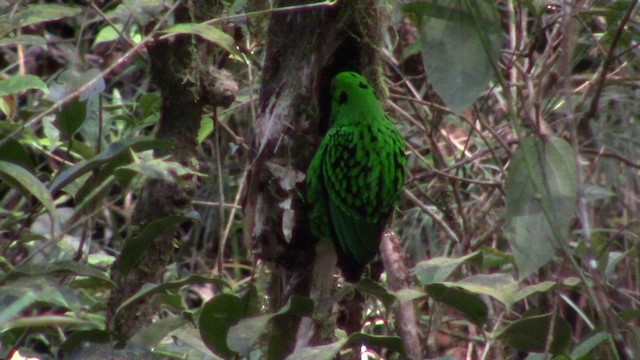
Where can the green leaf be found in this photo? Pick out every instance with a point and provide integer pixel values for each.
(460, 42)
(216, 318)
(112, 152)
(25, 40)
(71, 117)
(111, 33)
(36, 13)
(322, 352)
(405, 295)
(393, 343)
(370, 287)
(530, 334)
(581, 351)
(78, 338)
(499, 286)
(469, 304)
(16, 296)
(532, 289)
(541, 197)
(21, 179)
(502, 287)
(329, 351)
(65, 267)
(151, 289)
(12, 151)
(135, 248)
(19, 83)
(206, 128)
(494, 258)
(439, 269)
(244, 337)
(205, 31)
(187, 343)
(44, 321)
(151, 336)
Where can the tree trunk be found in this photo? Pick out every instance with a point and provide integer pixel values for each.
(306, 47)
(172, 62)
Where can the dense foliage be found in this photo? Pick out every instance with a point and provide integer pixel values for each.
(518, 219)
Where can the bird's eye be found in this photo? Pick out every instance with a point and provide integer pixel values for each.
(343, 98)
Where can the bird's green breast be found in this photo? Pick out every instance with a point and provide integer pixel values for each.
(357, 173)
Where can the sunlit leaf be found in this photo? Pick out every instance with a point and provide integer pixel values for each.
(206, 128)
(65, 267)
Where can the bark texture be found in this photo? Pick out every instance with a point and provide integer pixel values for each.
(184, 70)
(306, 48)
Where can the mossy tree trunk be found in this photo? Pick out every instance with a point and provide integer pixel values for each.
(184, 70)
(306, 47)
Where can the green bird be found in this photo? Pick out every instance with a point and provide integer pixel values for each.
(356, 174)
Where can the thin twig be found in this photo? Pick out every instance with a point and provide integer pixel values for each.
(593, 108)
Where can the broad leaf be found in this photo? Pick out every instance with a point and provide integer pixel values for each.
(541, 192)
(531, 334)
(135, 248)
(502, 287)
(16, 296)
(207, 32)
(370, 287)
(244, 337)
(70, 81)
(113, 151)
(36, 13)
(439, 269)
(12, 151)
(65, 267)
(21, 179)
(469, 304)
(582, 351)
(19, 83)
(460, 42)
(71, 117)
(25, 40)
(151, 289)
(329, 351)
